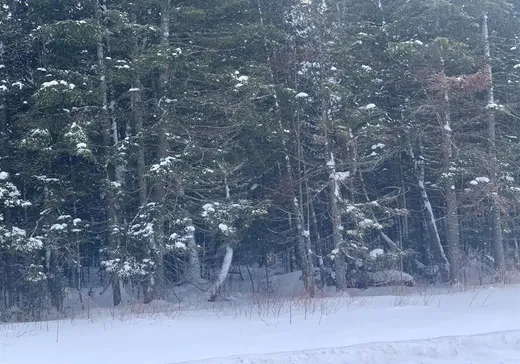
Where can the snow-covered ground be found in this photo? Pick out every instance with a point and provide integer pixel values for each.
(405, 325)
(496, 348)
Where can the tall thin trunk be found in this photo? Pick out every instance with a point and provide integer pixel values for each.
(3, 109)
(405, 224)
(113, 223)
(8, 280)
(334, 197)
(222, 275)
(430, 222)
(228, 257)
(496, 216)
(194, 270)
(162, 152)
(516, 251)
(319, 250)
(326, 126)
(303, 242)
(311, 287)
(337, 227)
(452, 215)
(54, 276)
(136, 104)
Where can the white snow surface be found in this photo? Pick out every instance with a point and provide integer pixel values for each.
(482, 179)
(368, 107)
(503, 348)
(376, 252)
(388, 325)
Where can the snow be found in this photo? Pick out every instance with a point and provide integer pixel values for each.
(301, 95)
(331, 163)
(3, 175)
(376, 252)
(59, 227)
(180, 245)
(493, 106)
(377, 146)
(368, 107)
(341, 176)
(223, 227)
(207, 209)
(389, 275)
(477, 349)
(482, 179)
(56, 83)
(412, 325)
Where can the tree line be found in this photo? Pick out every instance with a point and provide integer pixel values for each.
(164, 142)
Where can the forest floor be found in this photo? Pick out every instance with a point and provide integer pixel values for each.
(420, 325)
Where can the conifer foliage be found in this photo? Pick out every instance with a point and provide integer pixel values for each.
(156, 143)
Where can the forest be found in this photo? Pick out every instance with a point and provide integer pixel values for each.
(158, 143)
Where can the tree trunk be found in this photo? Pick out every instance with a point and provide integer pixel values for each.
(340, 267)
(453, 235)
(319, 250)
(222, 275)
(430, 221)
(162, 152)
(194, 269)
(496, 216)
(303, 231)
(452, 215)
(516, 251)
(333, 184)
(303, 246)
(113, 223)
(405, 230)
(334, 200)
(136, 105)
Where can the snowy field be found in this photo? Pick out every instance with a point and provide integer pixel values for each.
(378, 326)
